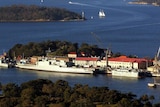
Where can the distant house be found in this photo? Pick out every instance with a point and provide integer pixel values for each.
(72, 55)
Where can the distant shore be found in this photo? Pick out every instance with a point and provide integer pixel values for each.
(143, 3)
(33, 13)
(41, 20)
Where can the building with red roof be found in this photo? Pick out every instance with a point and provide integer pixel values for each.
(122, 61)
(72, 55)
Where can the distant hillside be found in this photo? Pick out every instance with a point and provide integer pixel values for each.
(152, 2)
(36, 13)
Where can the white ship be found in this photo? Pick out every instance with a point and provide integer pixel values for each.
(55, 66)
(127, 72)
(101, 13)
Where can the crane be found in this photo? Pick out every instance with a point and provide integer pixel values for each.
(106, 51)
(100, 44)
(156, 62)
(97, 39)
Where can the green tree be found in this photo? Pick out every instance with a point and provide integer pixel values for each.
(74, 97)
(124, 102)
(28, 94)
(67, 95)
(8, 102)
(136, 103)
(144, 98)
(41, 101)
(48, 89)
(86, 49)
(151, 98)
(61, 85)
(11, 90)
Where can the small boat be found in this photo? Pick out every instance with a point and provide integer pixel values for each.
(101, 13)
(152, 85)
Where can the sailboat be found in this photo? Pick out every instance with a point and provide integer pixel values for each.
(101, 13)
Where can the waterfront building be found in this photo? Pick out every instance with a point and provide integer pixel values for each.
(72, 55)
(126, 62)
(86, 61)
(117, 62)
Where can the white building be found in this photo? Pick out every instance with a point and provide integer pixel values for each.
(86, 61)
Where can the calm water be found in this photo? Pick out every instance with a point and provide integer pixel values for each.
(123, 84)
(129, 29)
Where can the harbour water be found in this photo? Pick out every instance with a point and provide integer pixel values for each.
(127, 28)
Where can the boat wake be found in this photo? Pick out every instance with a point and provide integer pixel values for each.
(133, 26)
(81, 4)
(76, 3)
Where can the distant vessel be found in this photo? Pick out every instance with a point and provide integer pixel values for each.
(41, 1)
(70, 2)
(54, 66)
(154, 84)
(127, 72)
(83, 15)
(101, 13)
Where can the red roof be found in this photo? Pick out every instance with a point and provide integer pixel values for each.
(86, 58)
(75, 53)
(72, 53)
(126, 59)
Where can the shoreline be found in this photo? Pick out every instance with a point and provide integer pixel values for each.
(7, 21)
(143, 3)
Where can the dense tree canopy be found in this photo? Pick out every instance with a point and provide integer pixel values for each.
(56, 48)
(35, 13)
(45, 93)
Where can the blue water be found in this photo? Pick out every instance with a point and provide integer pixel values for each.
(129, 29)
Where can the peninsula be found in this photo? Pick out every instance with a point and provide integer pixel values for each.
(150, 2)
(36, 13)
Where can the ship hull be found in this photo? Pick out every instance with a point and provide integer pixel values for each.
(55, 68)
(125, 73)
